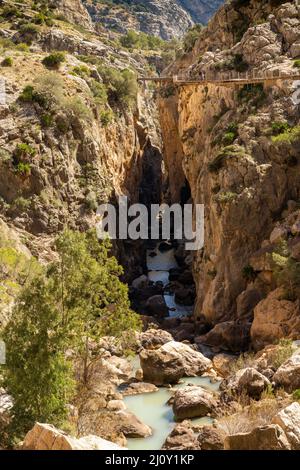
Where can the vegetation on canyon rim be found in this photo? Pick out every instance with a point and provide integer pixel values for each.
(66, 306)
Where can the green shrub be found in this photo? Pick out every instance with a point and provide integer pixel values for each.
(10, 11)
(291, 135)
(23, 169)
(62, 124)
(191, 37)
(54, 60)
(286, 272)
(23, 151)
(99, 92)
(106, 116)
(47, 91)
(21, 204)
(81, 70)
(283, 352)
(279, 127)
(76, 107)
(231, 151)
(22, 47)
(225, 197)
(228, 138)
(46, 120)
(7, 62)
(121, 85)
(6, 43)
(297, 63)
(296, 394)
(253, 94)
(29, 31)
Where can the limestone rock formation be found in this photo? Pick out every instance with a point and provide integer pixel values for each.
(270, 437)
(154, 338)
(47, 437)
(171, 361)
(156, 17)
(274, 318)
(161, 367)
(74, 12)
(247, 381)
(288, 374)
(182, 437)
(289, 420)
(193, 402)
(222, 143)
(211, 438)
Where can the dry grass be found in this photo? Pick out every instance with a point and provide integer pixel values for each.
(254, 415)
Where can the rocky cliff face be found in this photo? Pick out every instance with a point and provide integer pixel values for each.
(223, 141)
(157, 17)
(201, 10)
(66, 145)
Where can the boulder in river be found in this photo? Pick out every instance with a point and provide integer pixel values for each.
(112, 425)
(136, 388)
(192, 402)
(194, 362)
(153, 338)
(140, 282)
(171, 362)
(156, 306)
(161, 367)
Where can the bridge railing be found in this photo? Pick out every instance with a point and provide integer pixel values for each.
(254, 74)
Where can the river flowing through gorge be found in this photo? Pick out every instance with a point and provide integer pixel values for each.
(154, 409)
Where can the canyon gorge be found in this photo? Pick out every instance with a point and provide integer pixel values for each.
(215, 362)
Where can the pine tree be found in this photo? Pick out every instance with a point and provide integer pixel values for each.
(78, 299)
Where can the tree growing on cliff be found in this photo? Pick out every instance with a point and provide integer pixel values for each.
(78, 299)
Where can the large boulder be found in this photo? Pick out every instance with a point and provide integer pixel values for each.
(211, 438)
(161, 367)
(136, 388)
(246, 381)
(260, 44)
(182, 437)
(105, 416)
(288, 374)
(108, 372)
(154, 338)
(194, 362)
(270, 437)
(156, 306)
(274, 318)
(223, 363)
(172, 361)
(252, 382)
(289, 420)
(192, 402)
(228, 336)
(47, 437)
